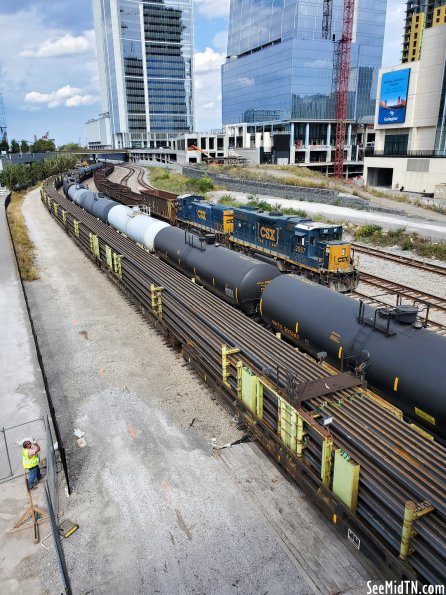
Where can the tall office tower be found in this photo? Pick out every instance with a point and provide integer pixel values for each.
(282, 64)
(145, 50)
(420, 15)
(3, 131)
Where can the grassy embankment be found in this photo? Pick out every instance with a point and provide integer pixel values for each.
(374, 234)
(24, 247)
(165, 180)
(262, 205)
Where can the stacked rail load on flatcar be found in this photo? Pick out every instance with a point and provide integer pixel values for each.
(389, 347)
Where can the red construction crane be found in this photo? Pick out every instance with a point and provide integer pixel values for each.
(343, 75)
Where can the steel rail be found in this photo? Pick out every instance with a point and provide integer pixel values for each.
(436, 302)
(202, 321)
(403, 260)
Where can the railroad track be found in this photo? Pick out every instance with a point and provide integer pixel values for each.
(142, 182)
(421, 297)
(396, 464)
(411, 262)
(128, 175)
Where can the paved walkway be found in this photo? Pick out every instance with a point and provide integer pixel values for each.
(22, 399)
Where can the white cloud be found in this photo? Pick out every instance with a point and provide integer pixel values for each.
(208, 61)
(208, 88)
(220, 41)
(213, 8)
(77, 100)
(67, 95)
(63, 46)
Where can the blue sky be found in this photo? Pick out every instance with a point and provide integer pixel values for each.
(48, 69)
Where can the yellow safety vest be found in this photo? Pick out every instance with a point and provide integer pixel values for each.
(29, 463)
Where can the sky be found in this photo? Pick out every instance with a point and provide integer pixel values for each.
(49, 75)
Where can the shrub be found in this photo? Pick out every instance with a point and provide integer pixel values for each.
(368, 230)
(205, 184)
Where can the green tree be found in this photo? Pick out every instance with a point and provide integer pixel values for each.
(25, 174)
(71, 147)
(4, 145)
(15, 147)
(42, 146)
(24, 146)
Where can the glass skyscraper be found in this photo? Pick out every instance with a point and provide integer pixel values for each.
(145, 50)
(281, 63)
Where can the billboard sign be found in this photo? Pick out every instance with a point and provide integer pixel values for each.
(393, 99)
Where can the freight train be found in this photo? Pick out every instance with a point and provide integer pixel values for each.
(399, 358)
(293, 244)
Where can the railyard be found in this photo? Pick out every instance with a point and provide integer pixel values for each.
(160, 509)
(193, 437)
(376, 464)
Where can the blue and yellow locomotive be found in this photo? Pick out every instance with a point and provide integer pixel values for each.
(295, 244)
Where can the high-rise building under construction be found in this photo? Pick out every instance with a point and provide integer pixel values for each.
(420, 15)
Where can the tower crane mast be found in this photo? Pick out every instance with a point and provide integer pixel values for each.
(342, 78)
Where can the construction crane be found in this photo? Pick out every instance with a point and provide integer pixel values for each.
(342, 76)
(327, 13)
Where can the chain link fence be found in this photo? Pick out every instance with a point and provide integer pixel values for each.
(11, 447)
(40, 431)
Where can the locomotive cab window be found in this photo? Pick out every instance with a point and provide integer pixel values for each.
(312, 241)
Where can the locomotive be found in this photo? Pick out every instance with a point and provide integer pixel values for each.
(294, 244)
(400, 358)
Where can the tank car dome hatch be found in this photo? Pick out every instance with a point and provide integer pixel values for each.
(406, 314)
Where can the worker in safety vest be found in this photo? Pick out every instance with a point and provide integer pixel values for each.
(30, 460)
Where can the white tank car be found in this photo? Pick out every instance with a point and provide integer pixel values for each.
(138, 226)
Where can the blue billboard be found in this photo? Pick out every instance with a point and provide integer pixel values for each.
(393, 99)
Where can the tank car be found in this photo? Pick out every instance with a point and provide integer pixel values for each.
(238, 279)
(131, 221)
(402, 360)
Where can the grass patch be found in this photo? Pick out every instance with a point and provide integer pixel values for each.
(25, 249)
(261, 205)
(297, 170)
(165, 180)
(263, 176)
(374, 234)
